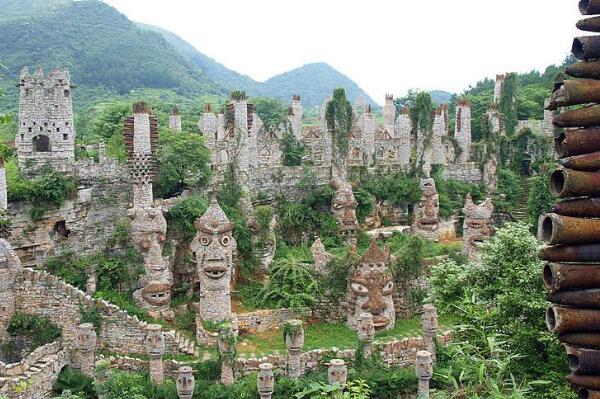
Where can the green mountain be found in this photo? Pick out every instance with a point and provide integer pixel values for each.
(104, 51)
(313, 82)
(440, 96)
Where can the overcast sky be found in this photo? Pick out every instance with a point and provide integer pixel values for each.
(386, 46)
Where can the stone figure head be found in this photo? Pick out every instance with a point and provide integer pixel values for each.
(262, 226)
(424, 365)
(429, 318)
(185, 382)
(86, 337)
(155, 340)
(366, 328)
(343, 206)
(149, 232)
(337, 372)
(266, 380)
(427, 211)
(214, 247)
(371, 289)
(156, 293)
(477, 226)
(294, 335)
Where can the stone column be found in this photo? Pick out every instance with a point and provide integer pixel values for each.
(265, 381)
(294, 341)
(337, 373)
(3, 187)
(155, 345)
(429, 324)
(424, 370)
(101, 152)
(226, 345)
(366, 333)
(185, 383)
(86, 346)
(175, 120)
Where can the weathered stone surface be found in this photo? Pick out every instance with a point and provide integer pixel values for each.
(477, 226)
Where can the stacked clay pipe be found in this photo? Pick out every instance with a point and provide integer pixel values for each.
(572, 229)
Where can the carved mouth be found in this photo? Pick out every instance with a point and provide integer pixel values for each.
(215, 272)
(380, 321)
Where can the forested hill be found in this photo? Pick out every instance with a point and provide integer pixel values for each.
(313, 82)
(101, 47)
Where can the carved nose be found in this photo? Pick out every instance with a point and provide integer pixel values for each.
(375, 305)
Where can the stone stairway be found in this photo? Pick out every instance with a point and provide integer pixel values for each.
(184, 344)
(520, 212)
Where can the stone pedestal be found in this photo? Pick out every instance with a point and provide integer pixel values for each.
(265, 382)
(294, 341)
(86, 345)
(424, 371)
(155, 346)
(185, 383)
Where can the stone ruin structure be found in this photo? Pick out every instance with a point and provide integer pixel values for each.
(214, 247)
(148, 225)
(343, 207)
(477, 226)
(371, 290)
(427, 222)
(321, 257)
(46, 132)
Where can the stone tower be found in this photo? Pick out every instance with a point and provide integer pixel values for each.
(403, 131)
(389, 114)
(175, 120)
(440, 130)
(367, 122)
(498, 87)
(296, 115)
(462, 131)
(46, 132)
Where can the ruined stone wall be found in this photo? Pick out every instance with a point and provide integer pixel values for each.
(284, 180)
(467, 172)
(265, 319)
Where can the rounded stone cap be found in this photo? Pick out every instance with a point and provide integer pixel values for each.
(338, 362)
(185, 369)
(265, 366)
(86, 326)
(295, 322)
(153, 328)
(423, 355)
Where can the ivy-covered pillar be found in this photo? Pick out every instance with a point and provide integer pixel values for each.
(185, 382)
(429, 324)
(265, 382)
(155, 346)
(86, 346)
(293, 332)
(424, 371)
(226, 345)
(366, 333)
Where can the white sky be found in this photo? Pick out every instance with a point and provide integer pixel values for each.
(386, 46)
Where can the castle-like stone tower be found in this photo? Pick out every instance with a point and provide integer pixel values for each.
(462, 131)
(296, 115)
(214, 247)
(440, 130)
(175, 120)
(389, 115)
(498, 87)
(46, 132)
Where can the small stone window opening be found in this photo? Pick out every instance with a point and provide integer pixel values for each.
(65, 136)
(41, 129)
(67, 93)
(23, 136)
(29, 129)
(57, 130)
(60, 228)
(41, 143)
(27, 92)
(66, 123)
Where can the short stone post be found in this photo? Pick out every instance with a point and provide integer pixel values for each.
(429, 324)
(366, 333)
(185, 383)
(294, 341)
(90, 284)
(265, 381)
(337, 373)
(101, 152)
(86, 345)
(424, 370)
(226, 344)
(155, 346)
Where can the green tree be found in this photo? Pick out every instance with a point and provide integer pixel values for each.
(420, 116)
(540, 198)
(339, 118)
(183, 163)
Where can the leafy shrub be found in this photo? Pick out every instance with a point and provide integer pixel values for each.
(396, 187)
(181, 217)
(452, 194)
(292, 284)
(540, 197)
(509, 190)
(39, 330)
(74, 382)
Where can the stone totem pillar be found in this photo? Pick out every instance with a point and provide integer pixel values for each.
(226, 345)
(265, 381)
(424, 370)
(366, 333)
(175, 120)
(337, 373)
(148, 225)
(343, 207)
(294, 341)
(101, 152)
(86, 345)
(185, 383)
(155, 346)
(429, 324)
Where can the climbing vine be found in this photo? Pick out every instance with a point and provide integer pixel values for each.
(339, 116)
(422, 121)
(508, 103)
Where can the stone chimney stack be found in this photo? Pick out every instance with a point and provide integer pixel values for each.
(389, 114)
(462, 131)
(297, 113)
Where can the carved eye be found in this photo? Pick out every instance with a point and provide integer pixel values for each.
(337, 205)
(225, 241)
(205, 241)
(388, 288)
(359, 289)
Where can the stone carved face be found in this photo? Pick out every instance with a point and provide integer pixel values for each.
(337, 372)
(148, 232)
(86, 338)
(372, 220)
(424, 365)
(294, 340)
(157, 293)
(427, 211)
(429, 319)
(371, 290)
(266, 380)
(185, 382)
(477, 226)
(155, 340)
(343, 206)
(366, 328)
(264, 241)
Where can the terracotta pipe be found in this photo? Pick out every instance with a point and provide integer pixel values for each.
(584, 69)
(574, 92)
(589, 7)
(581, 117)
(566, 276)
(585, 381)
(589, 299)
(572, 183)
(556, 229)
(589, 24)
(586, 162)
(578, 207)
(566, 320)
(586, 47)
(571, 253)
(572, 142)
(588, 340)
(583, 361)
(584, 393)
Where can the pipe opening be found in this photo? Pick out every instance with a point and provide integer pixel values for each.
(577, 48)
(583, 393)
(583, 6)
(557, 86)
(559, 143)
(548, 274)
(573, 361)
(550, 319)
(557, 181)
(547, 229)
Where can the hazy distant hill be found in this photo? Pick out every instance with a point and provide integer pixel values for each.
(440, 96)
